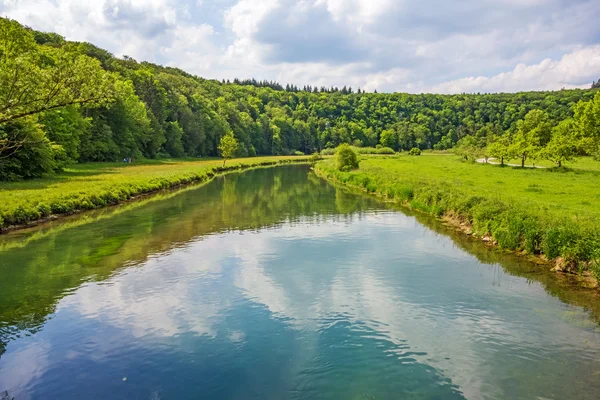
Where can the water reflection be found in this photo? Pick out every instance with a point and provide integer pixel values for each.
(269, 285)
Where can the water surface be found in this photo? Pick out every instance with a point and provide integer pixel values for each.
(272, 284)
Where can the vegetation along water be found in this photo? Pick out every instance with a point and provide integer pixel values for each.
(273, 283)
(550, 212)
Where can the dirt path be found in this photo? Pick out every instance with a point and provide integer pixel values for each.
(489, 161)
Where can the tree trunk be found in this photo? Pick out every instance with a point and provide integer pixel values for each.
(559, 164)
(501, 160)
(224, 161)
(522, 162)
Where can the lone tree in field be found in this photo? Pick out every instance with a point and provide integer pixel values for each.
(346, 158)
(228, 146)
(499, 148)
(532, 135)
(563, 146)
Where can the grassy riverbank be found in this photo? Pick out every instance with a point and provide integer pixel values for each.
(91, 186)
(550, 212)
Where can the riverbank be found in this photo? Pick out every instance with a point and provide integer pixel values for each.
(92, 186)
(548, 214)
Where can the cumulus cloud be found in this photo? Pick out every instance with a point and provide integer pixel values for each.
(388, 45)
(574, 70)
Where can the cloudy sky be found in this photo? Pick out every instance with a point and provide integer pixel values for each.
(390, 45)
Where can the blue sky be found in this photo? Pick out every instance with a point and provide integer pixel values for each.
(389, 45)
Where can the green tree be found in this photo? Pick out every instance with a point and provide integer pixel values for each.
(586, 125)
(563, 145)
(34, 79)
(468, 148)
(346, 158)
(35, 157)
(499, 148)
(532, 135)
(389, 138)
(228, 145)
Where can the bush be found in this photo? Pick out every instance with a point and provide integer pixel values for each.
(415, 151)
(315, 157)
(298, 153)
(37, 156)
(385, 150)
(346, 158)
(328, 152)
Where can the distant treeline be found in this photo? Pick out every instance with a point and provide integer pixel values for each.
(292, 88)
(63, 102)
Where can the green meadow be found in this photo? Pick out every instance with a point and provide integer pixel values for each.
(552, 211)
(94, 185)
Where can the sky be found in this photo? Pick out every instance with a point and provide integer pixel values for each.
(415, 46)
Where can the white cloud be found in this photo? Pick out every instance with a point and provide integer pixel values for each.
(388, 45)
(573, 70)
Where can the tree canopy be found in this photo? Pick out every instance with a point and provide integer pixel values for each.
(64, 101)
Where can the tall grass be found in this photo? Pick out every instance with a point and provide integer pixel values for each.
(543, 212)
(91, 186)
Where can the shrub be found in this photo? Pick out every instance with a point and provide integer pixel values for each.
(298, 153)
(315, 157)
(385, 150)
(328, 152)
(346, 158)
(415, 151)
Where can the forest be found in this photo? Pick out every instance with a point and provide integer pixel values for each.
(66, 102)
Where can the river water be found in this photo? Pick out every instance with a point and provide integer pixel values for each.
(272, 284)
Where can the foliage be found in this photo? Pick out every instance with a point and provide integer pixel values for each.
(36, 156)
(499, 148)
(586, 125)
(34, 79)
(532, 134)
(228, 146)
(468, 148)
(346, 158)
(563, 146)
(522, 209)
(107, 108)
(71, 191)
(315, 157)
(415, 151)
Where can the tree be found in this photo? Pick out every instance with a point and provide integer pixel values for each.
(532, 135)
(346, 158)
(33, 80)
(586, 125)
(36, 157)
(563, 146)
(389, 139)
(228, 145)
(468, 148)
(36, 79)
(499, 148)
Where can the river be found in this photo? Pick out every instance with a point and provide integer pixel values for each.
(273, 284)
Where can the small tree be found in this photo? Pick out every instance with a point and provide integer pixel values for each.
(415, 151)
(563, 145)
(499, 148)
(468, 147)
(346, 158)
(228, 146)
(533, 133)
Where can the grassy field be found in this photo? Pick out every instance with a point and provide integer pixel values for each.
(94, 185)
(555, 212)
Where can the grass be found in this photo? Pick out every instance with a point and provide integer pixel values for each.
(554, 211)
(95, 185)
